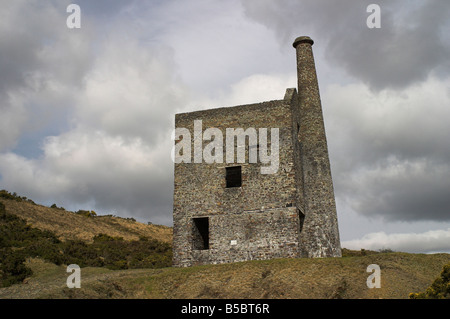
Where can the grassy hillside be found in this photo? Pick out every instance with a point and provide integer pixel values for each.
(69, 225)
(60, 237)
(401, 274)
(37, 243)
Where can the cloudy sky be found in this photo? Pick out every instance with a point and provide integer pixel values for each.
(86, 114)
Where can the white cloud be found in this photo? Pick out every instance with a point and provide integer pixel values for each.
(252, 89)
(214, 42)
(83, 167)
(113, 154)
(426, 242)
(12, 120)
(41, 67)
(100, 100)
(260, 87)
(131, 91)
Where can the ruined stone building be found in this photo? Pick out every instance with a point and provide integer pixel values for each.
(230, 210)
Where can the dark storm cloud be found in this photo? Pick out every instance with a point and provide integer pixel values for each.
(390, 152)
(410, 44)
(389, 143)
(398, 192)
(18, 44)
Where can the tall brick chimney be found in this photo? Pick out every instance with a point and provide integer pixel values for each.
(320, 235)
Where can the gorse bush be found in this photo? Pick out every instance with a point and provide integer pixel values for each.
(19, 241)
(13, 269)
(7, 195)
(104, 237)
(117, 253)
(86, 213)
(80, 253)
(13, 196)
(439, 289)
(56, 207)
(15, 232)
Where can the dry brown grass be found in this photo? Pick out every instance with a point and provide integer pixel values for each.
(68, 225)
(302, 278)
(345, 277)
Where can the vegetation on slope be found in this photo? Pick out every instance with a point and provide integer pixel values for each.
(19, 241)
(439, 289)
(294, 278)
(82, 225)
(38, 242)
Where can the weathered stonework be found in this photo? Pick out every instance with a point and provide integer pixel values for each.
(290, 213)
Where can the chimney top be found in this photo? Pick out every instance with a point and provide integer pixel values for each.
(302, 39)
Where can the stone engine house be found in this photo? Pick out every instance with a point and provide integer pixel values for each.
(227, 212)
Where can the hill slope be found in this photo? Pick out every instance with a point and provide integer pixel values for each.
(61, 237)
(68, 225)
(401, 273)
(345, 277)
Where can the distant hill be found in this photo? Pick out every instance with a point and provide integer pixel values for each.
(69, 225)
(61, 237)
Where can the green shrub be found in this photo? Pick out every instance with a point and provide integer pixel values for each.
(18, 241)
(13, 269)
(105, 237)
(15, 232)
(45, 249)
(86, 213)
(118, 265)
(56, 207)
(80, 253)
(7, 195)
(439, 289)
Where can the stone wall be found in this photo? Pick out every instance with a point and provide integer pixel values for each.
(290, 213)
(248, 222)
(320, 237)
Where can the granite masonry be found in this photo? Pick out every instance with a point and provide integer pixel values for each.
(230, 211)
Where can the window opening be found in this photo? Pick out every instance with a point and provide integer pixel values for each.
(234, 176)
(200, 233)
(301, 218)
